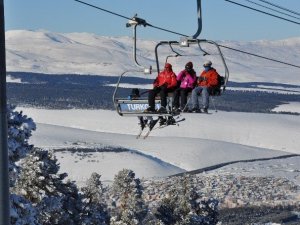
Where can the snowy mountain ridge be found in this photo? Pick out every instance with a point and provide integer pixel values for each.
(85, 53)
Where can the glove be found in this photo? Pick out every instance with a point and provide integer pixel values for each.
(202, 79)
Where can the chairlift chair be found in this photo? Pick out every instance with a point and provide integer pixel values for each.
(134, 105)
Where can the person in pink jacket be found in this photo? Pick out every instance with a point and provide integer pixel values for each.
(187, 79)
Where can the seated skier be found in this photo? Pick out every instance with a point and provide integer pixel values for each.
(164, 83)
(187, 79)
(208, 79)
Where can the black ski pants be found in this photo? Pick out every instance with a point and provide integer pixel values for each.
(162, 91)
(181, 93)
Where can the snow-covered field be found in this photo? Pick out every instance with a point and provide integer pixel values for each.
(198, 142)
(253, 157)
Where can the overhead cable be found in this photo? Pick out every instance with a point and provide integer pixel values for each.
(274, 10)
(116, 14)
(259, 56)
(280, 7)
(279, 17)
(128, 18)
(173, 32)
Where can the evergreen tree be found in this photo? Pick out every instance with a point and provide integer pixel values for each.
(57, 201)
(166, 210)
(19, 129)
(183, 206)
(21, 211)
(94, 207)
(130, 206)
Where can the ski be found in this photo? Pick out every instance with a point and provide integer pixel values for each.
(143, 123)
(173, 123)
(140, 133)
(150, 125)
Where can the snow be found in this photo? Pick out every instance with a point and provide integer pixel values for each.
(248, 155)
(288, 107)
(198, 142)
(10, 79)
(83, 53)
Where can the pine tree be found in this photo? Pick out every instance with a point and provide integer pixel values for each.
(94, 206)
(183, 206)
(130, 206)
(166, 210)
(19, 129)
(57, 201)
(21, 211)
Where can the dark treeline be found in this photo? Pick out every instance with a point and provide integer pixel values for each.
(95, 92)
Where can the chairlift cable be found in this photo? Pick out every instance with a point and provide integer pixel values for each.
(272, 9)
(259, 56)
(128, 18)
(280, 7)
(279, 17)
(169, 31)
(105, 10)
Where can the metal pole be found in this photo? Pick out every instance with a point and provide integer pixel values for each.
(4, 182)
(199, 14)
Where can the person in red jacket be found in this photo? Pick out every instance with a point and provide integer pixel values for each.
(208, 79)
(165, 82)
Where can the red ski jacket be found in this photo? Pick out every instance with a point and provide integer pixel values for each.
(166, 77)
(208, 78)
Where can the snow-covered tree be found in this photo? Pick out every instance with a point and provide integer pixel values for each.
(57, 201)
(94, 206)
(183, 206)
(21, 211)
(19, 130)
(166, 210)
(130, 206)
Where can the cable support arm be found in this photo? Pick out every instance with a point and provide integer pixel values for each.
(135, 21)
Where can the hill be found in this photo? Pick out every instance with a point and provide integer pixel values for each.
(84, 53)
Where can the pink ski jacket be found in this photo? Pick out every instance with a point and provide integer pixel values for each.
(187, 79)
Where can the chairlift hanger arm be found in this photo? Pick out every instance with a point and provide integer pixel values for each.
(135, 21)
(117, 87)
(223, 61)
(156, 50)
(195, 41)
(176, 53)
(220, 54)
(199, 14)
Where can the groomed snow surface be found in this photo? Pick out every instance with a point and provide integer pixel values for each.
(198, 142)
(241, 158)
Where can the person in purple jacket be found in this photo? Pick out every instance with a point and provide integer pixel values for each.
(187, 79)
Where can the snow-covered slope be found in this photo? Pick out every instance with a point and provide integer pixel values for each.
(270, 131)
(84, 53)
(200, 141)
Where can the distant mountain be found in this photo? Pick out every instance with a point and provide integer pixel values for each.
(85, 53)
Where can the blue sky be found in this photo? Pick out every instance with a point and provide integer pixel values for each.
(221, 20)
